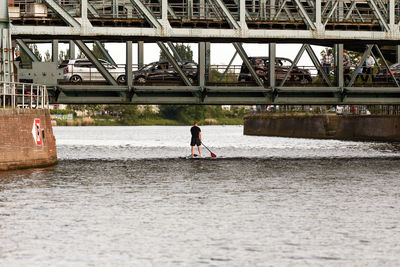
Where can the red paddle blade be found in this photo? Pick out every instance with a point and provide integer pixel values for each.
(213, 155)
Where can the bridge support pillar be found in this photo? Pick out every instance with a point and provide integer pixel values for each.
(6, 51)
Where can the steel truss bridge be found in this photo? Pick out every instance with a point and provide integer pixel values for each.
(362, 25)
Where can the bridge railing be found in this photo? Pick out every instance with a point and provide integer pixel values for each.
(23, 95)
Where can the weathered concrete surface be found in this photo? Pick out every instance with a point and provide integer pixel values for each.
(356, 128)
(18, 146)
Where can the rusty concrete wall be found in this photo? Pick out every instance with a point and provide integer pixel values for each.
(24, 144)
(356, 128)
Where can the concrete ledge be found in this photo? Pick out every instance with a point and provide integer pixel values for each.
(355, 128)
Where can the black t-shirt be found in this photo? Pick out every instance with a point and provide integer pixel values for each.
(195, 131)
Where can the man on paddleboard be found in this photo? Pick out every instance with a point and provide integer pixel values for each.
(196, 138)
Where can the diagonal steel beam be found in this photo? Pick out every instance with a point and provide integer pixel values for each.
(379, 15)
(64, 15)
(174, 51)
(227, 67)
(335, 5)
(386, 65)
(304, 14)
(317, 64)
(174, 63)
(170, 10)
(295, 61)
(238, 46)
(93, 10)
(146, 13)
(105, 53)
(363, 58)
(242, 53)
(232, 21)
(282, 6)
(27, 50)
(247, 14)
(350, 11)
(103, 71)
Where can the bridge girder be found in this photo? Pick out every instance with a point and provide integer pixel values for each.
(319, 22)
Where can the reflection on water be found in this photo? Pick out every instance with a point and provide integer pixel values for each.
(263, 201)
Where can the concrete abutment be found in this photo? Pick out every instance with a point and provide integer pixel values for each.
(26, 139)
(351, 127)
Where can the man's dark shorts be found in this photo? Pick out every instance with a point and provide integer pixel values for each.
(195, 142)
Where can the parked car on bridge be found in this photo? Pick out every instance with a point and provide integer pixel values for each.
(164, 71)
(83, 70)
(383, 75)
(282, 65)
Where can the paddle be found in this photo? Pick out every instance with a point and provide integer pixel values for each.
(212, 154)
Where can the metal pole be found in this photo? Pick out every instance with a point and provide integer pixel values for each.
(71, 51)
(128, 68)
(140, 54)
(54, 48)
(202, 64)
(271, 66)
(339, 65)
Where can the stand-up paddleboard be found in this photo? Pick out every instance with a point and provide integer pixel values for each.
(197, 157)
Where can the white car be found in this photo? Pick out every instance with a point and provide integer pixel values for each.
(339, 110)
(79, 70)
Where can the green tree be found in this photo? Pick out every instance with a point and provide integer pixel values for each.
(26, 61)
(97, 52)
(47, 56)
(63, 55)
(184, 51)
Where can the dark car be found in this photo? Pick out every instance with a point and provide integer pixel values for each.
(164, 71)
(282, 66)
(383, 75)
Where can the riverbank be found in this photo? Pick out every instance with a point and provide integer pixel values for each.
(142, 122)
(351, 127)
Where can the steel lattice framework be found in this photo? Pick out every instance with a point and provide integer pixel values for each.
(365, 25)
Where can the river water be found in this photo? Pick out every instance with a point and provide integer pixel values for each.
(123, 196)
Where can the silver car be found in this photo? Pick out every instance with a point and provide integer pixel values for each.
(82, 70)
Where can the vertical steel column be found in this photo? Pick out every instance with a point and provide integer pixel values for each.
(271, 65)
(397, 53)
(54, 49)
(140, 54)
(242, 12)
(190, 8)
(272, 8)
(318, 20)
(84, 9)
(128, 68)
(202, 9)
(115, 8)
(340, 11)
(392, 13)
(263, 9)
(164, 10)
(339, 65)
(71, 51)
(208, 60)
(202, 64)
